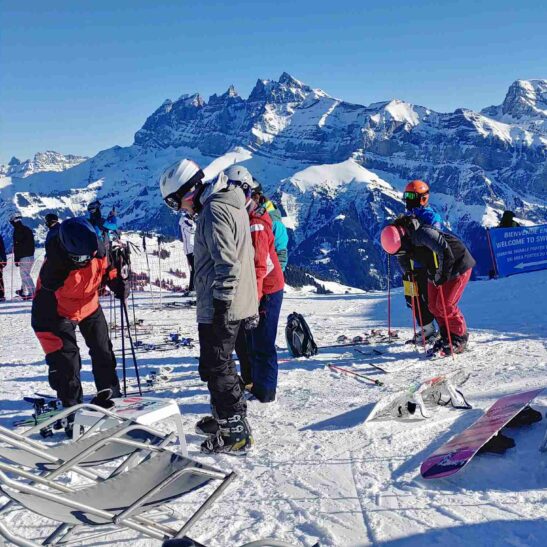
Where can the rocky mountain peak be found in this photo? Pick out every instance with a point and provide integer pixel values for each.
(526, 98)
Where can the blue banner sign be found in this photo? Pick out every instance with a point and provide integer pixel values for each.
(520, 249)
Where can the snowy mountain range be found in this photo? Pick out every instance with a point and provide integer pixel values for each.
(336, 169)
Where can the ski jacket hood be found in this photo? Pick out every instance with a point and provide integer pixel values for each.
(223, 253)
(269, 276)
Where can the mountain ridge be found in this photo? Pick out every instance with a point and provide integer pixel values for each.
(321, 157)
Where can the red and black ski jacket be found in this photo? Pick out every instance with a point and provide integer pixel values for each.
(65, 291)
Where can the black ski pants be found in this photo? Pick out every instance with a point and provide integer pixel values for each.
(2, 264)
(242, 352)
(217, 368)
(420, 276)
(65, 364)
(190, 259)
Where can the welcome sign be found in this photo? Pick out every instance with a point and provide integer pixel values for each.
(520, 249)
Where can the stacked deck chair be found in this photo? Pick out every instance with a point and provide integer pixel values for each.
(147, 476)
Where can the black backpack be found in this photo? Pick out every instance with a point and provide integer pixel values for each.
(299, 337)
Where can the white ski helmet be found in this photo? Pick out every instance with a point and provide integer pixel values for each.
(178, 182)
(239, 175)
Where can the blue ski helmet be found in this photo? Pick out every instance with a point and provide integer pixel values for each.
(79, 239)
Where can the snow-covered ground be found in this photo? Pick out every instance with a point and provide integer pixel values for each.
(317, 472)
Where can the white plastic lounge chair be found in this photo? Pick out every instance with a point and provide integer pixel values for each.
(121, 500)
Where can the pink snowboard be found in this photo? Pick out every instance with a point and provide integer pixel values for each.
(460, 450)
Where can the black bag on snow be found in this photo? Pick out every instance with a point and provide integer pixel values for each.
(299, 337)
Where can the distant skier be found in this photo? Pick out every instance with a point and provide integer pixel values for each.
(23, 255)
(416, 196)
(270, 284)
(448, 264)
(106, 229)
(187, 225)
(507, 220)
(3, 262)
(279, 230)
(68, 296)
(225, 291)
(53, 225)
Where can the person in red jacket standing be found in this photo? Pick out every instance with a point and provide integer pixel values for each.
(67, 296)
(270, 283)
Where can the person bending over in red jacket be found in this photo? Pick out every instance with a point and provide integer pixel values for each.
(67, 296)
(448, 263)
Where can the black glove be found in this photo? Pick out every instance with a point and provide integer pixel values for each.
(250, 323)
(220, 313)
(44, 311)
(120, 288)
(440, 279)
(407, 275)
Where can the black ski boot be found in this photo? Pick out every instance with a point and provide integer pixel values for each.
(103, 399)
(439, 347)
(498, 444)
(233, 437)
(526, 416)
(207, 426)
(459, 343)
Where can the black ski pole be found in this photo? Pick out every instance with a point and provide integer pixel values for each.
(124, 310)
(123, 351)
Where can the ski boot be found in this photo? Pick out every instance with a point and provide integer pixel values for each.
(527, 416)
(103, 398)
(207, 426)
(430, 334)
(233, 437)
(440, 348)
(497, 444)
(459, 343)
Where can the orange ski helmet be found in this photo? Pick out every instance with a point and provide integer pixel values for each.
(416, 194)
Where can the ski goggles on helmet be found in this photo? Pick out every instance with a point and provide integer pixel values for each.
(411, 196)
(79, 259)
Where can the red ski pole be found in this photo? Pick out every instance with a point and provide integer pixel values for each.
(346, 371)
(444, 312)
(388, 298)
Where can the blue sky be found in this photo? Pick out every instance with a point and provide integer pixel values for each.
(78, 77)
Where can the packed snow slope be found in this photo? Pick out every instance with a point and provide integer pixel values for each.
(318, 473)
(337, 169)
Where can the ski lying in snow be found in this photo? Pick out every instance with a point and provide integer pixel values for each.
(413, 402)
(341, 370)
(454, 455)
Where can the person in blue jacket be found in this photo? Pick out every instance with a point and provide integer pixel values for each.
(106, 229)
(416, 196)
(281, 236)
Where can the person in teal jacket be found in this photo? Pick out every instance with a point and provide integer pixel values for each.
(281, 236)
